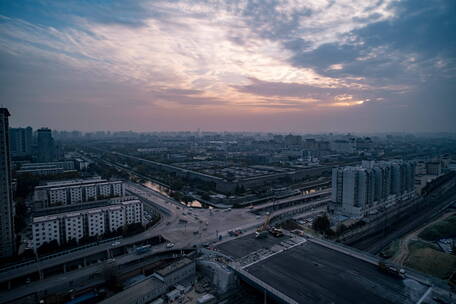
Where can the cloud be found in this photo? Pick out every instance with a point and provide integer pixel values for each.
(231, 56)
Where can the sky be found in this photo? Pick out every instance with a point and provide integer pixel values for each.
(259, 65)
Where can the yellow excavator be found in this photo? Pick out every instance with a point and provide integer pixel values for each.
(262, 231)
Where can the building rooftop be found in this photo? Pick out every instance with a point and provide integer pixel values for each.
(243, 246)
(72, 210)
(136, 291)
(71, 182)
(91, 211)
(173, 267)
(44, 218)
(312, 273)
(73, 214)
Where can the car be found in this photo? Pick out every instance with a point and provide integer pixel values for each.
(170, 245)
(115, 243)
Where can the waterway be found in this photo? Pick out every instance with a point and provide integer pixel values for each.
(167, 191)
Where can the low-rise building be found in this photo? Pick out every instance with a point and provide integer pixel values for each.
(45, 229)
(116, 218)
(157, 284)
(48, 168)
(73, 226)
(95, 222)
(176, 272)
(76, 191)
(84, 223)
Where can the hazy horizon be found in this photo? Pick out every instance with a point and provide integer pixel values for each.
(277, 66)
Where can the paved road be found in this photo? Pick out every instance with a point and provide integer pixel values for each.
(184, 226)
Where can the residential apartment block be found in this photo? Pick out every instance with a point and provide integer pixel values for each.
(356, 191)
(76, 191)
(76, 225)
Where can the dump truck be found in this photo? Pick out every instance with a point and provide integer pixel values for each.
(391, 270)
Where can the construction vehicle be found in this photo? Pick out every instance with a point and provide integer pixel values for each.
(391, 270)
(262, 231)
(276, 232)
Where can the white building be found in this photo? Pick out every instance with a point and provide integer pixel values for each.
(91, 193)
(75, 194)
(57, 196)
(76, 191)
(117, 189)
(96, 222)
(133, 211)
(45, 229)
(356, 191)
(87, 222)
(116, 217)
(74, 226)
(104, 190)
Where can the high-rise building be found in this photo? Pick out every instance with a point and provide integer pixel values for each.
(45, 145)
(21, 141)
(7, 247)
(359, 190)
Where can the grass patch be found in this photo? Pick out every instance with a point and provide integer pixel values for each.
(391, 250)
(441, 230)
(426, 258)
(415, 245)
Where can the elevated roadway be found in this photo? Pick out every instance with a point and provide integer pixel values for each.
(184, 226)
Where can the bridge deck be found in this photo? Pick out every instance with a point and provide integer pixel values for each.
(312, 273)
(247, 244)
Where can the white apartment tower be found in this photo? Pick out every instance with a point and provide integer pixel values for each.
(356, 190)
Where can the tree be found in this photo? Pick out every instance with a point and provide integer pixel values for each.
(341, 229)
(19, 218)
(321, 224)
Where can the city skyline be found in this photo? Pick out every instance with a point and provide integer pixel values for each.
(281, 66)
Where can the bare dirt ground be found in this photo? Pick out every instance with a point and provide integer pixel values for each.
(402, 254)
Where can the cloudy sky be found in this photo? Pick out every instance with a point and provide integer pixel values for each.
(259, 65)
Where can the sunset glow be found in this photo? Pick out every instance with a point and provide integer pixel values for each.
(160, 58)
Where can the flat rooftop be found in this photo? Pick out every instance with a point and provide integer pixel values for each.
(247, 244)
(312, 273)
(139, 290)
(71, 182)
(174, 266)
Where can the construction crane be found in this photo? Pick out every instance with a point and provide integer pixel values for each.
(262, 231)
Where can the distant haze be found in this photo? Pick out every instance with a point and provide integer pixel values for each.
(279, 65)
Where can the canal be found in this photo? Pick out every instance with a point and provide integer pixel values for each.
(166, 191)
